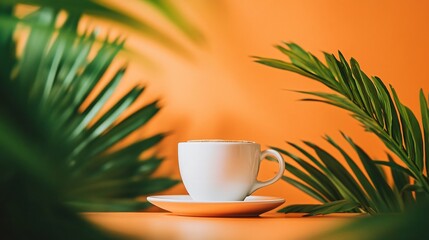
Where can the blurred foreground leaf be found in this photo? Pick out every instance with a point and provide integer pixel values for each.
(411, 224)
(58, 140)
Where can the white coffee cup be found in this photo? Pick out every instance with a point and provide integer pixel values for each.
(222, 170)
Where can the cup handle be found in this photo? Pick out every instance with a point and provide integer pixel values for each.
(279, 158)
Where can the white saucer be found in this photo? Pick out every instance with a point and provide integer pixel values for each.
(184, 205)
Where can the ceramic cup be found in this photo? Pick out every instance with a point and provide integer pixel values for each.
(220, 170)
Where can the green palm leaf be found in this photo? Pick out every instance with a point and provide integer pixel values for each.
(319, 209)
(409, 225)
(99, 9)
(380, 111)
(328, 181)
(53, 150)
(54, 76)
(368, 100)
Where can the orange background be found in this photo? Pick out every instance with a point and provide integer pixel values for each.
(221, 93)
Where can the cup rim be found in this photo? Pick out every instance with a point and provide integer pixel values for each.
(219, 141)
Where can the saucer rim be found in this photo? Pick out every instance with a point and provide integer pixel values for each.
(250, 199)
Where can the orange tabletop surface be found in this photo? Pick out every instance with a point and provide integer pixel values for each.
(270, 226)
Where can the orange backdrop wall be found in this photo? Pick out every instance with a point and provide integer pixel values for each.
(218, 92)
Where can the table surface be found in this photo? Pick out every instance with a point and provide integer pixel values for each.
(270, 226)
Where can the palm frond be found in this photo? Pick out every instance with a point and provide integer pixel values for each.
(328, 181)
(100, 9)
(171, 13)
(55, 146)
(52, 79)
(369, 101)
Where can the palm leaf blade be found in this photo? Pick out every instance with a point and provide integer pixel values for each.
(345, 180)
(376, 177)
(94, 107)
(321, 209)
(315, 176)
(299, 208)
(425, 122)
(305, 188)
(118, 132)
(336, 206)
(401, 179)
(363, 180)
